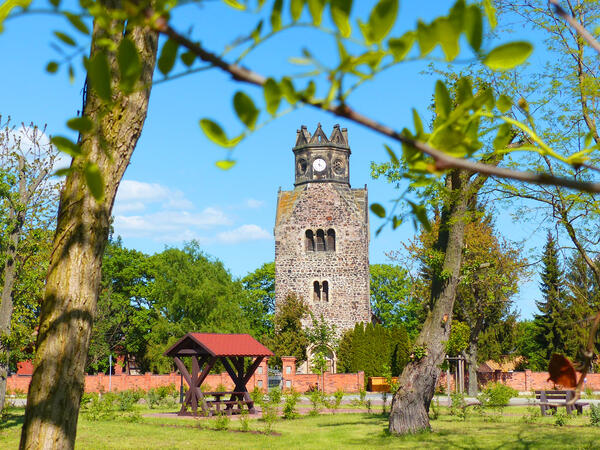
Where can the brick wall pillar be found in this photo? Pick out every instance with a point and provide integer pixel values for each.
(261, 376)
(528, 384)
(288, 371)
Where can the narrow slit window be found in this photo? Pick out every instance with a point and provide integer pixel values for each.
(309, 241)
(316, 291)
(325, 291)
(320, 241)
(331, 240)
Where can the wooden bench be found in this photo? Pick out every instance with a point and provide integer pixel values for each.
(229, 404)
(546, 397)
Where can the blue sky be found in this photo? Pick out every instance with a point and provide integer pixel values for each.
(172, 191)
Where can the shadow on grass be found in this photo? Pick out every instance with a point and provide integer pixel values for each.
(11, 419)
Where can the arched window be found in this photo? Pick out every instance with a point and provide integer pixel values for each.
(316, 291)
(325, 295)
(331, 240)
(320, 241)
(309, 241)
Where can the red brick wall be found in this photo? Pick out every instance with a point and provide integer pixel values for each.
(347, 382)
(521, 381)
(123, 382)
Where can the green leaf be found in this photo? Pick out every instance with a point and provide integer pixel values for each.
(392, 155)
(93, 179)
(508, 56)
(130, 66)
(52, 67)
(188, 58)
(296, 7)
(288, 90)
(225, 164)
(427, 36)
(378, 210)
(448, 36)
(316, 10)
(474, 27)
(442, 100)
(63, 172)
(65, 38)
(99, 75)
(503, 137)
(382, 19)
(256, 32)
(65, 145)
(310, 90)
(8, 5)
(235, 4)
(77, 22)
(276, 15)
(71, 72)
(215, 133)
(272, 94)
(340, 14)
(421, 213)
(402, 45)
(168, 55)
(81, 124)
(245, 109)
(504, 103)
(464, 91)
(418, 123)
(490, 12)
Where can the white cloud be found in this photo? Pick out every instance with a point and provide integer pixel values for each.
(253, 203)
(248, 232)
(137, 195)
(173, 223)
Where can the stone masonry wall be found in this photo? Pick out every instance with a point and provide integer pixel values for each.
(325, 206)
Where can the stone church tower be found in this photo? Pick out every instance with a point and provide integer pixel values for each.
(322, 232)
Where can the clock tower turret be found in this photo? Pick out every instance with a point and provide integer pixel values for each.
(319, 159)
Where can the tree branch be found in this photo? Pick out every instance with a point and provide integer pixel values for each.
(585, 34)
(442, 160)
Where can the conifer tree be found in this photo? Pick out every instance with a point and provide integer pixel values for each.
(552, 323)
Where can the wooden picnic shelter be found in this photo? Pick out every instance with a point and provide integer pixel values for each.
(205, 349)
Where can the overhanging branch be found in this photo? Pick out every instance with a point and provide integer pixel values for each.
(442, 160)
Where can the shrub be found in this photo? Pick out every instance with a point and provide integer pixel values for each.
(458, 407)
(338, 396)
(316, 399)
(594, 415)
(533, 413)
(244, 422)
(434, 409)
(275, 396)
(221, 388)
(153, 398)
(497, 395)
(222, 422)
(289, 407)
(269, 415)
(560, 418)
(257, 395)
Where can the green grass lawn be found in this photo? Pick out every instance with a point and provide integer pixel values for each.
(361, 430)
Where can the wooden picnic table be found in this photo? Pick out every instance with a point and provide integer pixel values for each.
(554, 396)
(235, 399)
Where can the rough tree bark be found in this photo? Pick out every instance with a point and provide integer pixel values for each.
(410, 405)
(75, 265)
(472, 387)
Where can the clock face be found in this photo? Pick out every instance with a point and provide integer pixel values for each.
(319, 165)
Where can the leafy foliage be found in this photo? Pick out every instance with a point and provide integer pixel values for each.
(290, 338)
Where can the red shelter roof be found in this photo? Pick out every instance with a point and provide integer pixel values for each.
(217, 344)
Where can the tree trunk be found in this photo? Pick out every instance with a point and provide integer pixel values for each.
(75, 265)
(6, 308)
(473, 387)
(410, 405)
